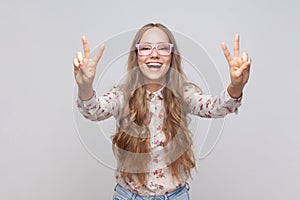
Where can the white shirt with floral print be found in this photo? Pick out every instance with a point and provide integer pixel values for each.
(160, 180)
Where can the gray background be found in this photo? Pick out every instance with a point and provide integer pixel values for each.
(41, 155)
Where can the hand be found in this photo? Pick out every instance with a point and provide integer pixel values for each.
(85, 69)
(239, 68)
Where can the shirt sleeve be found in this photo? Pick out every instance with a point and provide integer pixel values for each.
(102, 107)
(209, 106)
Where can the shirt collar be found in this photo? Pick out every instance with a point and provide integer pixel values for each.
(154, 95)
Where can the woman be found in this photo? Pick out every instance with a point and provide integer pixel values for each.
(153, 145)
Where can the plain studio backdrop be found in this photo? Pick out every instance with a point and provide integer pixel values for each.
(41, 155)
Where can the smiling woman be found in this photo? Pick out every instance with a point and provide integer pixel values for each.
(152, 144)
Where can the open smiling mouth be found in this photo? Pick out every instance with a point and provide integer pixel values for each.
(154, 65)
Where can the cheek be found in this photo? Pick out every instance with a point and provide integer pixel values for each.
(141, 60)
(168, 61)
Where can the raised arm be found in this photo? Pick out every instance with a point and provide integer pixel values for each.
(89, 104)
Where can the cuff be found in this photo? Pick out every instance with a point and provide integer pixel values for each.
(228, 97)
(87, 103)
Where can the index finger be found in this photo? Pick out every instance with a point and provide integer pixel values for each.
(226, 52)
(86, 48)
(237, 45)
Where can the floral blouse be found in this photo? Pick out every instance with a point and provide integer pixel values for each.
(160, 179)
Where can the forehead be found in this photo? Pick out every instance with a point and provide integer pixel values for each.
(154, 35)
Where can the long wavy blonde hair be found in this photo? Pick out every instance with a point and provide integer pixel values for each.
(131, 143)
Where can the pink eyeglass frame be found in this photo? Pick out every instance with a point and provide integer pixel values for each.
(154, 46)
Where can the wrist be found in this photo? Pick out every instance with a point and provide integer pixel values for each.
(235, 92)
(85, 94)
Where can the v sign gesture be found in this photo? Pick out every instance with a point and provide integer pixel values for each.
(239, 68)
(85, 70)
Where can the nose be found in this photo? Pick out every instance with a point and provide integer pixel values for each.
(154, 53)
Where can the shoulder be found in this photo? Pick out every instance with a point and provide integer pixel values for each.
(190, 87)
(117, 89)
(115, 92)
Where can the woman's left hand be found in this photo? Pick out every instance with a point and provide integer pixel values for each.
(239, 68)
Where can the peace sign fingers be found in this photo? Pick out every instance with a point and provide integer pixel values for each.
(236, 49)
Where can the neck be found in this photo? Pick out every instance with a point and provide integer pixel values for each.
(153, 87)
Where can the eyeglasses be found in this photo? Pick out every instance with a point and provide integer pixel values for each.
(163, 49)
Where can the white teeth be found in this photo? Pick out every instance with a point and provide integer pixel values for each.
(154, 65)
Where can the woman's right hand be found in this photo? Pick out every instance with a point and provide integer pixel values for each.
(85, 70)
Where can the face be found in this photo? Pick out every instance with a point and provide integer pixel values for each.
(154, 66)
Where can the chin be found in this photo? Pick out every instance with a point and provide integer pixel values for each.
(154, 74)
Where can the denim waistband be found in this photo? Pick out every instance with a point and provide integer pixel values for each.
(127, 194)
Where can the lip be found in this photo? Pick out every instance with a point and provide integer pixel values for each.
(154, 62)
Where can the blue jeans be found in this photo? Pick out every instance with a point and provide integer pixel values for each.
(124, 194)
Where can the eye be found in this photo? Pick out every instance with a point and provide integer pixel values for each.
(163, 47)
(145, 48)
